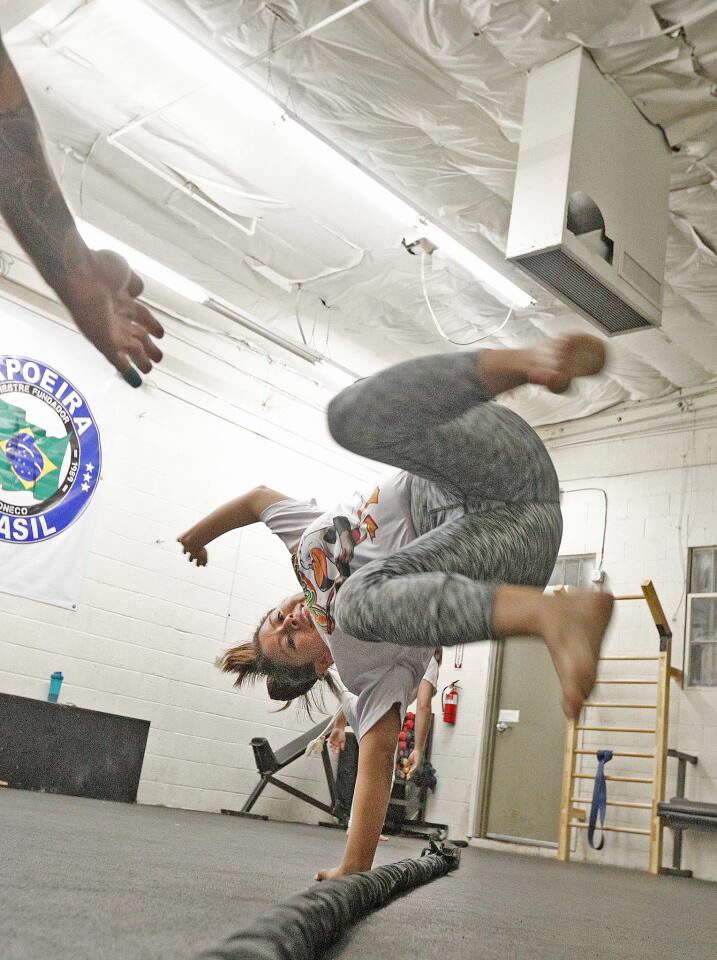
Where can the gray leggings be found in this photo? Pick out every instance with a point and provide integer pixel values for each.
(484, 502)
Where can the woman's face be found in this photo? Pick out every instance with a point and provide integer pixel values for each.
(288, 636)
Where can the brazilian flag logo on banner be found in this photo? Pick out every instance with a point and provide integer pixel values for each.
(29, 459)
(50, 454)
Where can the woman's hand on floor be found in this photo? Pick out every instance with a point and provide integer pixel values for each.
(334, 874)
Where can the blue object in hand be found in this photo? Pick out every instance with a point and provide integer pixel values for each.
(55, 684)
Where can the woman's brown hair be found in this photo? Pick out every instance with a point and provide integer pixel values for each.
(249, 662)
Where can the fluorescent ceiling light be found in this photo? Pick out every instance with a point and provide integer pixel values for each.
(141, 263)
(363, 184)
(148, 267)
(210, 69)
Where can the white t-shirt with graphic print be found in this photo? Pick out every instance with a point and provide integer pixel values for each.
(373, 526)
(349, 701)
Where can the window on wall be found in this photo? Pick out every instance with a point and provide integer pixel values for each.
(702, 618)
(573, 571)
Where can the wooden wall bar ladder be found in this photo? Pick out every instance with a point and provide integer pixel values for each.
(574, 817)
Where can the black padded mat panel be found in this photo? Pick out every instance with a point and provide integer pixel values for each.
(56, 748)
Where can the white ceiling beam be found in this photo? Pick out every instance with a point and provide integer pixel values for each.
(13, 12)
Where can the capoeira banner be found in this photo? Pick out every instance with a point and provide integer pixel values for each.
(54, 399)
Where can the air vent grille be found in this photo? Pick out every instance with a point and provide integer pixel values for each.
(586, 291)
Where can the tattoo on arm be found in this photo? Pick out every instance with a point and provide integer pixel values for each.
(31, 201)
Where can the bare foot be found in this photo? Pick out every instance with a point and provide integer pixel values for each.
(556, 362)
(573, 626)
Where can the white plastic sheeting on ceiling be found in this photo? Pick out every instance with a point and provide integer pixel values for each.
(427, 96)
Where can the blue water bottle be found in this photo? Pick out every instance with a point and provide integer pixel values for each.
(55, 684)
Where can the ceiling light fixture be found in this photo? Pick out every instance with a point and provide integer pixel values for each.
(141, 263)
(193, 55)
(149, 267)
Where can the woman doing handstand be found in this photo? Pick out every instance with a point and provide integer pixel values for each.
(456, 547)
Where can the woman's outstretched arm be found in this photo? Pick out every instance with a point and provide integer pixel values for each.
(239, 512)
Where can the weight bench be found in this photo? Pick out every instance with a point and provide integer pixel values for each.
(681, 814)
(268, 763)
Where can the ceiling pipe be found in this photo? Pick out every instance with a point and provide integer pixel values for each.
(291, 346)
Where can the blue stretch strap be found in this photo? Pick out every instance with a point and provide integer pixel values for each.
(598, 807)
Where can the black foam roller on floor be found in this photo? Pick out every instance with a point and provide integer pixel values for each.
(303, 927)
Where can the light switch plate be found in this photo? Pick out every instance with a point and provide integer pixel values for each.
(509, 716)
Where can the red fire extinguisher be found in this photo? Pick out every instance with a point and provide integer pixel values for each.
(449, 702)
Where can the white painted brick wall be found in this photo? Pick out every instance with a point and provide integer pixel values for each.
(455, 747)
